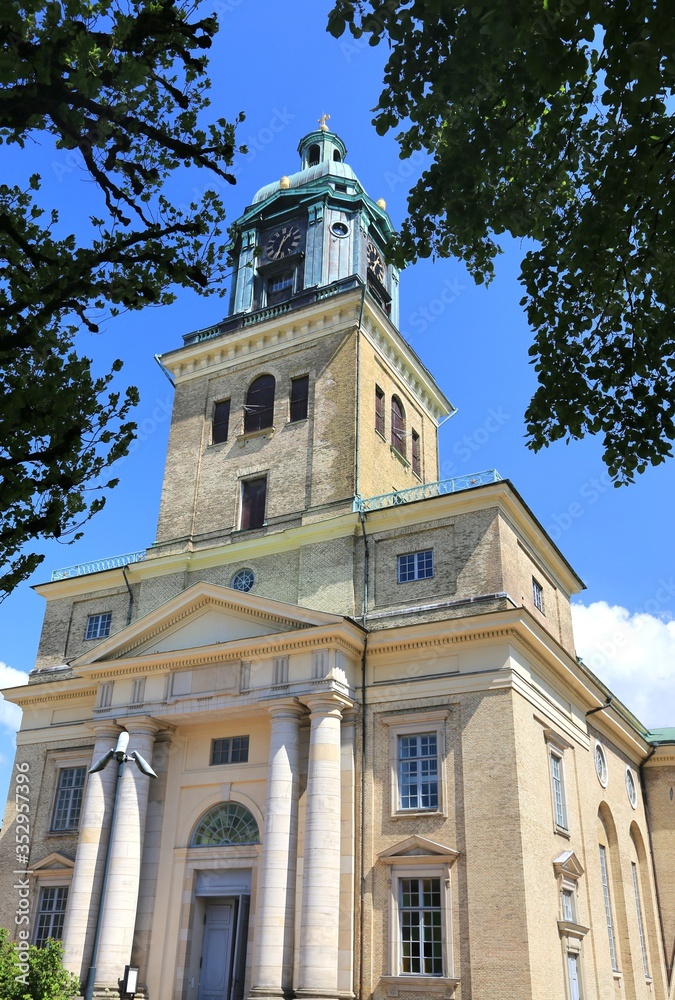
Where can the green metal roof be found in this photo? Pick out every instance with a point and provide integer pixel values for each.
(661, 736)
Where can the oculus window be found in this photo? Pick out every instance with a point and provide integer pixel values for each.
(243, 580)
(415, 566)
(98, 626)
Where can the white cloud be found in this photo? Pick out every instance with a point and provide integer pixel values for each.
(633, 654)
(10, 715)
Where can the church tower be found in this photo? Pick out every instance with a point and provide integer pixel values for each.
(305, 395)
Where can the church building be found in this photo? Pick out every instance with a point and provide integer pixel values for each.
(358, 756)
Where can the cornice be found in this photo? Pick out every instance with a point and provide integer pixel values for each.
(42, 694)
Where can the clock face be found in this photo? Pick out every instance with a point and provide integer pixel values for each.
(375, 262)
(283, 242)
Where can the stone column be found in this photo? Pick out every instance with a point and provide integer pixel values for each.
(85, 889)
(319, 927)
(275, 910)
(118, 918)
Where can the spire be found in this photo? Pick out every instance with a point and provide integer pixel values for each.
(321, 146)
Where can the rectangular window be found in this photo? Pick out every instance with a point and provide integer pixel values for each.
(538, 595)
(641, 929)
(421, 927)
(416, 454)
(608, 907)
(253, 499)
(558, 785)
(98, 626)
(416, 566)
(379, 410)
(280, 287)
(233, 750)
(68, 798)
(221, 422)
(568, 905)
(299, 397)
(51, 914)
(418, 771)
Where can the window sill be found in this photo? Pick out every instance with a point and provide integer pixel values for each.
(562, 832)
(380, 435)
(302, 420)
(417, 813)
(420, 984)
(400, 456)
(254, 434)
(617, 975)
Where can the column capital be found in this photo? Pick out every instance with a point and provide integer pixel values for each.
(105, 728)
(141, 725)
(326, 703)
(288, 708)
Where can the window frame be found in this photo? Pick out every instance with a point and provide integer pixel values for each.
(398, 430)
(416, 453)
(42, 889)
(219, 422)
(262, 420)
(556, 747)
(419, 724)
(640, 920)
(631, 787)
(70, 827)
(425, 865)
(294, 419)
(609, 911)
(416, 578)
(380, 408)
(99, 634)
(538, 595)
(247, 484)
(230, 748)
(602, 776)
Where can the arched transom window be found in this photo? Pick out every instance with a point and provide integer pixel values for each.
(228, 823)
(259, 408)
(397, 425)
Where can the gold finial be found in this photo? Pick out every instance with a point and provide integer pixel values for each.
(322, 123)
(382, 203)
(285, 183)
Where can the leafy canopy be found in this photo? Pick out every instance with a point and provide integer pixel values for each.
(120, 90)
(34, 973)
(552, 120)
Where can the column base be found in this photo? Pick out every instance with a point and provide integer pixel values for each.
(265, 993)
(319, 994)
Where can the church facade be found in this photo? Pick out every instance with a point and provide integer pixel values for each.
(378, 766)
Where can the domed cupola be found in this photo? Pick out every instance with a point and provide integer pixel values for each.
(321, 146)
(312, 232)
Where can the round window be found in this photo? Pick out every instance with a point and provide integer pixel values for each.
(631, 788)
(601, 765)
(243, 580)
(339, 229)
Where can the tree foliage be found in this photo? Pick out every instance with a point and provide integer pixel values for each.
(34, 973)
(551, 120)
(120, 89)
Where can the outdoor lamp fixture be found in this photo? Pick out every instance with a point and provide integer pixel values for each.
(122, 757)
(129, 983)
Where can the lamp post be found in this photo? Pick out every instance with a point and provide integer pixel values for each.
(120, 755)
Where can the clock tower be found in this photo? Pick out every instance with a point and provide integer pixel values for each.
(311, 229)
(305, 396)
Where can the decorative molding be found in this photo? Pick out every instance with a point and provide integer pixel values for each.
(433, 852)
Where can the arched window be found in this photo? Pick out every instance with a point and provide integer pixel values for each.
(336, 155)
(397, 425)
(259, 407)
(314, 155)
(226, 824)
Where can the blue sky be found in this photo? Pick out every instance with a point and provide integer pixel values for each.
(276, 63)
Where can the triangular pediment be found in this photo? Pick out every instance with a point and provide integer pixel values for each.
(55, 862)
(416, 850)
(205, 615)
(568, 864)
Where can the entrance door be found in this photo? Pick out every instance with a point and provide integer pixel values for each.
(216, 964)
(573, 973)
